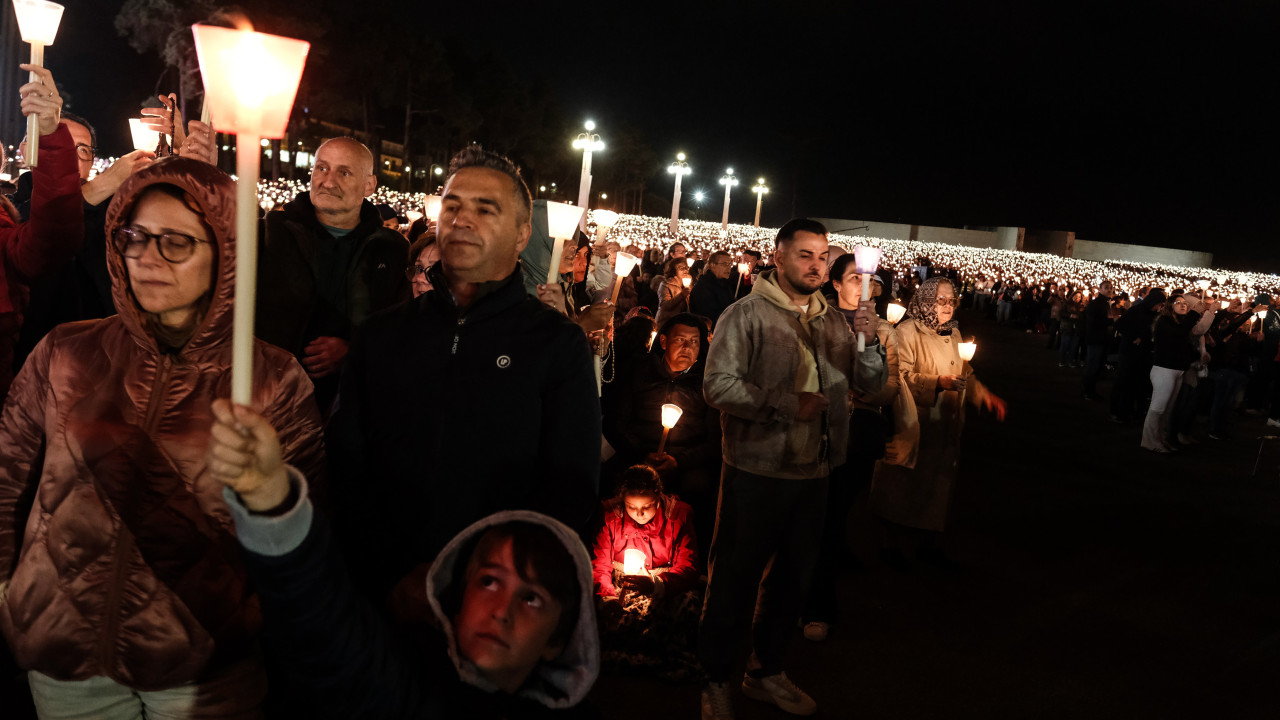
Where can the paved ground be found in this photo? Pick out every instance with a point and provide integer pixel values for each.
(1097, 580)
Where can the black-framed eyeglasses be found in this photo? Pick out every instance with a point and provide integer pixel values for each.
(86, 152)
(176, 248)
(413, 272)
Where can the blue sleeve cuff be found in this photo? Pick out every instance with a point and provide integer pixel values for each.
(273, 536)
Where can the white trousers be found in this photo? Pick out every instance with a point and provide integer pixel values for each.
(1165, 384)
(234, 694)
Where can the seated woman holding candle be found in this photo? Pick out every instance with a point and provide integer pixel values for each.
(647, 576)
(914, 502)
(122, 587)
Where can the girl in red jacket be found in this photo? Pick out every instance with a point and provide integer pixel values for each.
(642, 517)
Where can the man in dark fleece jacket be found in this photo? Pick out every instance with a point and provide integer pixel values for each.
(326, 263)
(470, 399)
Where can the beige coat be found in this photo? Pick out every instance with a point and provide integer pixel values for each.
(920, 497)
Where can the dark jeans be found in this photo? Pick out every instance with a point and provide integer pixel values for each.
(762, 523)
(1095, 358)
(1226, 383)
(1070, 349)
(1132, 380)
(847, 482)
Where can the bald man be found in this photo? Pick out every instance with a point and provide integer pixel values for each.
(327, 263)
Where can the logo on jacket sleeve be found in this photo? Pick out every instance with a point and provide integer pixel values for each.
(504, 362)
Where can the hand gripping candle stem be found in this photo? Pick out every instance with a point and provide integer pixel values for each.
(867, 260)
(38, 22)
(252, 78)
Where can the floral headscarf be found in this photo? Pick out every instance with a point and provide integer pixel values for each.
(924, 305)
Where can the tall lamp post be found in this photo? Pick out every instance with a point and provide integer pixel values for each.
(760, 190)
(679, 168)
(728, 181)
(588, 143)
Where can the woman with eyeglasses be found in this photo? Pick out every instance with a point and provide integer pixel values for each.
(914, 502)
(424, 252)
(121, 586)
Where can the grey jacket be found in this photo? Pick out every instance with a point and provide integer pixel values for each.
(751, 377)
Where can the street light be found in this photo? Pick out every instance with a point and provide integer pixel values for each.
(760, 190)
(588, 142)
(679, 168)
(728, 181)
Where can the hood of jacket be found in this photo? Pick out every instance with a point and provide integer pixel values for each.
(213, 192)
(767, 286)
(561, 683)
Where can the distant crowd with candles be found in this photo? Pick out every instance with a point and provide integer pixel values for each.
(323, 452)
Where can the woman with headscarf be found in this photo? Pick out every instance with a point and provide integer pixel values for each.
(914, 501)
(122, 590)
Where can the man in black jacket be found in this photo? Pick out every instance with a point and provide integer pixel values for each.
(326, 263)
(1096, 323)
(714, 290)
(470, 399)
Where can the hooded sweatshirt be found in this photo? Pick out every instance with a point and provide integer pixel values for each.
(128, 566)
(764, 353)
(349, 661)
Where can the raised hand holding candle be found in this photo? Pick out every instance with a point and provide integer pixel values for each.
(253, 78)
(866, 260)
(743, 269)
(38, 25)
(562, 223)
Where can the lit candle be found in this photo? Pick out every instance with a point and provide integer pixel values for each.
(670, 416)
(143, 137)
(624, 263)
(686, 281)
(253, 78)
(967, 349)
(743, 269)
(866, 260)
(562, 223)
(413, 215)
(38, 25)
(633, 561)
(432, 207)
(895, 312)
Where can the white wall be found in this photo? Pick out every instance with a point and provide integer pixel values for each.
(1093, 250)
(955, 236)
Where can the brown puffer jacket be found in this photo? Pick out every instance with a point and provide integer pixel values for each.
(128, 566)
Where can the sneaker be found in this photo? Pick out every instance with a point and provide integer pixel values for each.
(780, 691)
(817, 631)
(715, 702)
(1273, 422)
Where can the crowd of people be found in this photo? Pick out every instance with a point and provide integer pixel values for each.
(458, 485)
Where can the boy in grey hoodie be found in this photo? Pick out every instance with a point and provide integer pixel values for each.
(511, 595)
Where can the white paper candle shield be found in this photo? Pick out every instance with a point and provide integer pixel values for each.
(632, 561)
(895, 313)
(144, 138)
(251, 77)
(432, 208)
(604, 218)
(38, 20)
(671, 415)
(967, 350)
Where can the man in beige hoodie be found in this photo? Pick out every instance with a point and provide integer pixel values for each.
(779, 369)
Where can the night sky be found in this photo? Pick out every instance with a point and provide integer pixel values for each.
(1144, 123)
